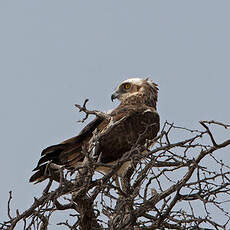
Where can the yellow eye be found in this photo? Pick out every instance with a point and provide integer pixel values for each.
(127, 86)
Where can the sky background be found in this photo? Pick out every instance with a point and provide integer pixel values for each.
(55, 53)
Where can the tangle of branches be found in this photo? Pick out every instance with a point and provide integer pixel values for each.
(181, 183)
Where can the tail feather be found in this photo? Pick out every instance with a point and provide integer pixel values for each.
(68, 153)
(62, 155)
(52, 154)
(39, 175)
(44, 172)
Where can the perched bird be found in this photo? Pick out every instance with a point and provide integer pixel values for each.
(134, 122)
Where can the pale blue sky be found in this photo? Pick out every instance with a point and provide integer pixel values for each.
(56, 53)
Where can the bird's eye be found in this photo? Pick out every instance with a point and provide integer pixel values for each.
(127, 86)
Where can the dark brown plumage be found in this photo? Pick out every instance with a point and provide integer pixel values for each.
(135, 120)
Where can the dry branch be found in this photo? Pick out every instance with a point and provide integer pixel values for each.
(172, 187)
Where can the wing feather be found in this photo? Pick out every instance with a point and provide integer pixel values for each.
(68, 153)
(137, 125)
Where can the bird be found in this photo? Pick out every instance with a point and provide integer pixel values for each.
(135, 121)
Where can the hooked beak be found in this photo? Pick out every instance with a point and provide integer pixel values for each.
(114, 96)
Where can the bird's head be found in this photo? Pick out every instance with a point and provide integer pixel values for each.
(136, 87)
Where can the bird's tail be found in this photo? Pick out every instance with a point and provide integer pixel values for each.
(53, 157)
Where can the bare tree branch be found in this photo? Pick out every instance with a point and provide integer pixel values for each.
(171, 186)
